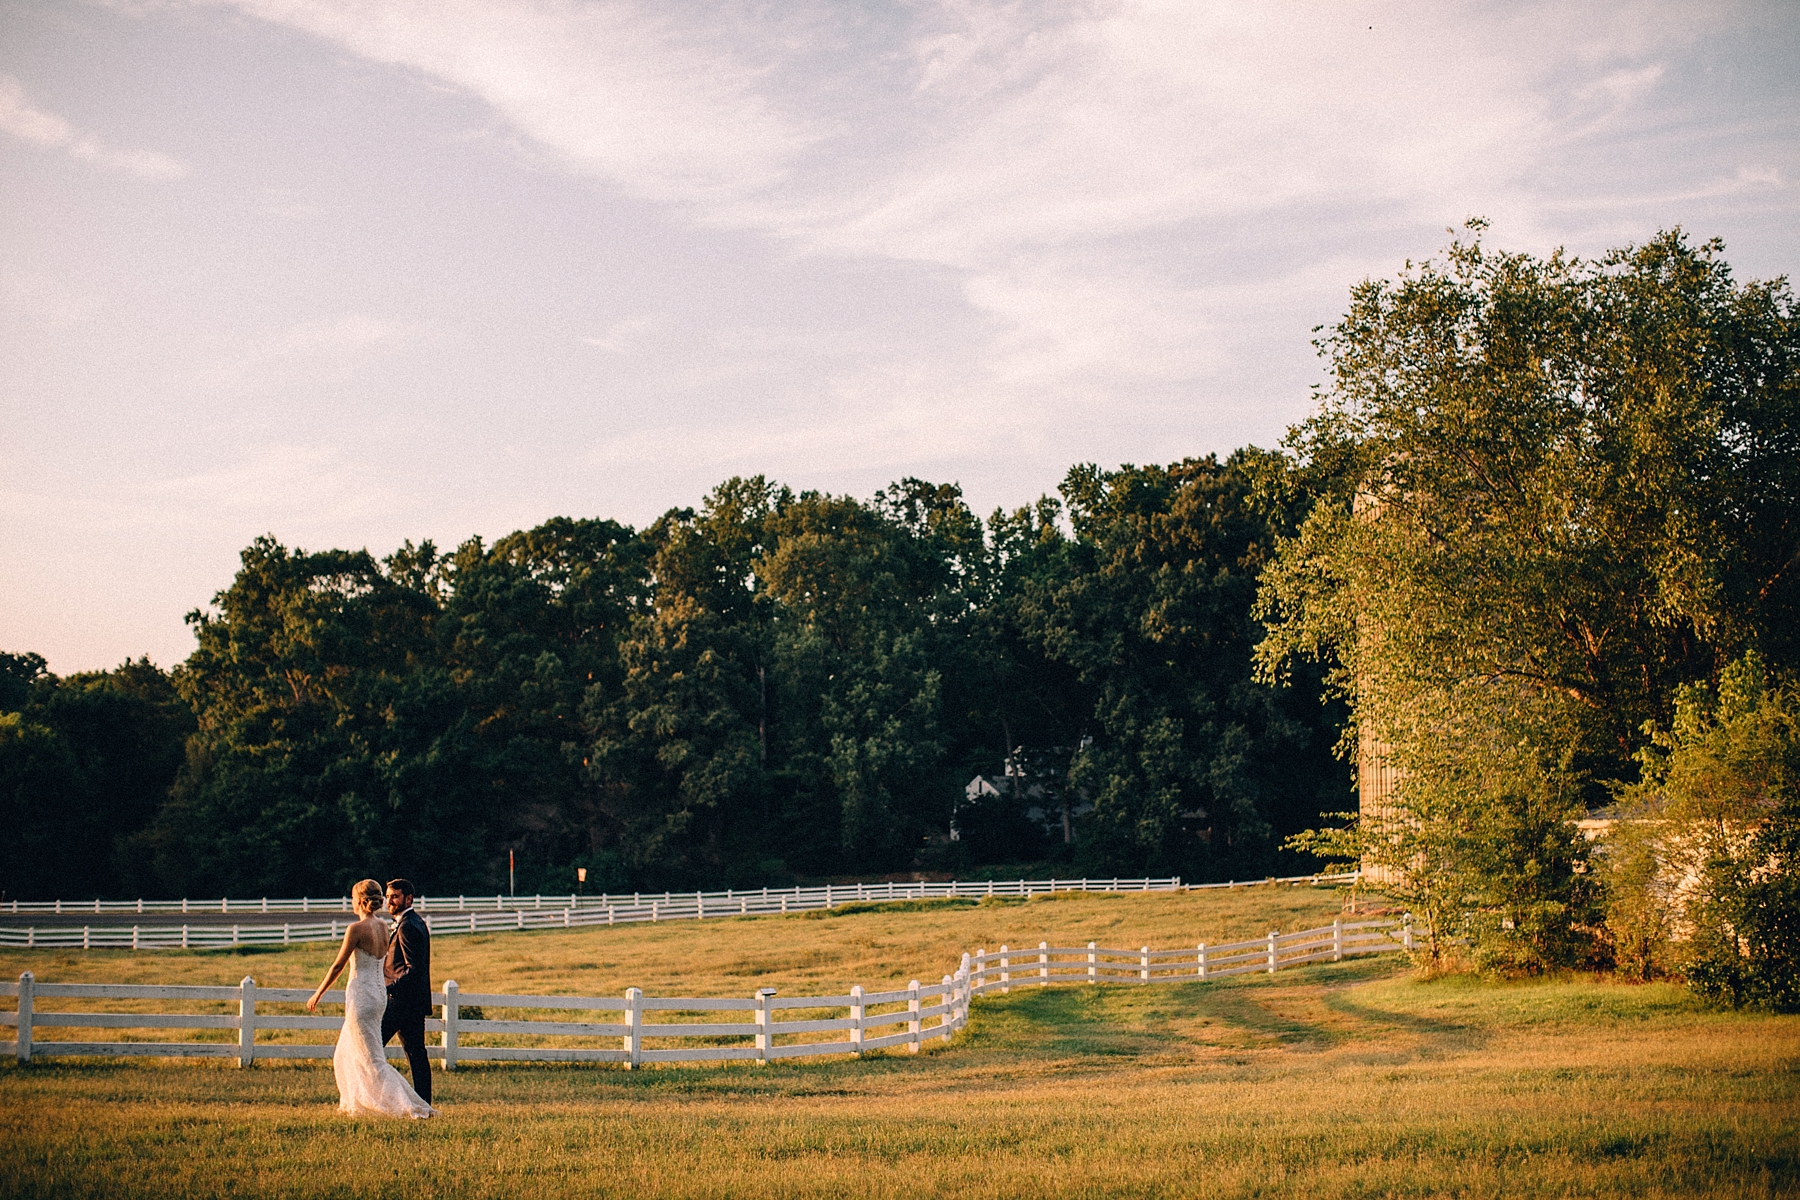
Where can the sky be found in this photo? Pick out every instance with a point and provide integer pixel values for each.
(350, 272)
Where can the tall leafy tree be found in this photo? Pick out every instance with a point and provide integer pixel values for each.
(1710, 848)
(528, 627)
(679, 737)
(1548, 494)
(85, 763)
(294, 682)
(1190, 765)
(853, 594)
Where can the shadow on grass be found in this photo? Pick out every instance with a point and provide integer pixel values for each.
(1061, 1023)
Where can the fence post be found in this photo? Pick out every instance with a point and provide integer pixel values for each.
(184, 930)
(856, 1020)
(762, 1027)
(634, 1024)
(979, 983)
(452, 1004)
(945, 1018)
(1005, 972)
(1043, 964)
(247, 1022)
(84, 936)
(1144, 963)
(1406, 933)
(912, 1025)
(134, 938)
(1203, 960)
(27, 989)
(1337, 939)
(1272, 936)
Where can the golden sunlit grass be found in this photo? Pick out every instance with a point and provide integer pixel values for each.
(1330, 1081)
(823, 952)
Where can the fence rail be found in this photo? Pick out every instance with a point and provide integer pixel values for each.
(727, 1028)
(481, 914)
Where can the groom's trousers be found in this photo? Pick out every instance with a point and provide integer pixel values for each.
(410, 1025)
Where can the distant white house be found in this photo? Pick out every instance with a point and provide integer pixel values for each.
(1043, 806)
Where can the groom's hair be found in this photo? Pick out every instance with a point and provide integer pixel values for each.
(403, 886)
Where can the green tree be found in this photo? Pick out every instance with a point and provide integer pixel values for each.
(1717, 814)
(529, 626)
(854, 591)
(1547, 493)
(86, 761)
(678, 741)
(1190, 765)
(299, 687)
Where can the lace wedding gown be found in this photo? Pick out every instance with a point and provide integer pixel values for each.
(367, 1085)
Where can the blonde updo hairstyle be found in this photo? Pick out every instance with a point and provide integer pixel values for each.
(368, 890)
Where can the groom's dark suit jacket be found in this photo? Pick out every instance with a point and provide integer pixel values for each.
(409, 957)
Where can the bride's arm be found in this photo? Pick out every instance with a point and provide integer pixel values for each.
(336, 967)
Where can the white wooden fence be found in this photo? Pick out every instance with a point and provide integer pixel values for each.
(754, 1030)
(482, 914)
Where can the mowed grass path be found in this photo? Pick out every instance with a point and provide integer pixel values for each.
(1335, 1080)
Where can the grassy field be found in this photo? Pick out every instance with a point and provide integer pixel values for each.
(824, 951)
(1346, 1080)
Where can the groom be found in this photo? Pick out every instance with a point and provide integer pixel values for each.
(408, 971)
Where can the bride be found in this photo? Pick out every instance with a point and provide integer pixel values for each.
(367, 1085)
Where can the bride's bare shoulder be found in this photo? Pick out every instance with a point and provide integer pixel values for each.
(373, 934)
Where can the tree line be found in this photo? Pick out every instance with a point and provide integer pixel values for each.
(771, 685)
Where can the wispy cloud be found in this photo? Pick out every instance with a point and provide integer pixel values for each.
(663, 107)
(622, 337)
(265, 487)
(277, 487)
(988, 137)
(22, 120)
(306, 341)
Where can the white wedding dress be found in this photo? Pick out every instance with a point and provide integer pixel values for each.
(367, 1085)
